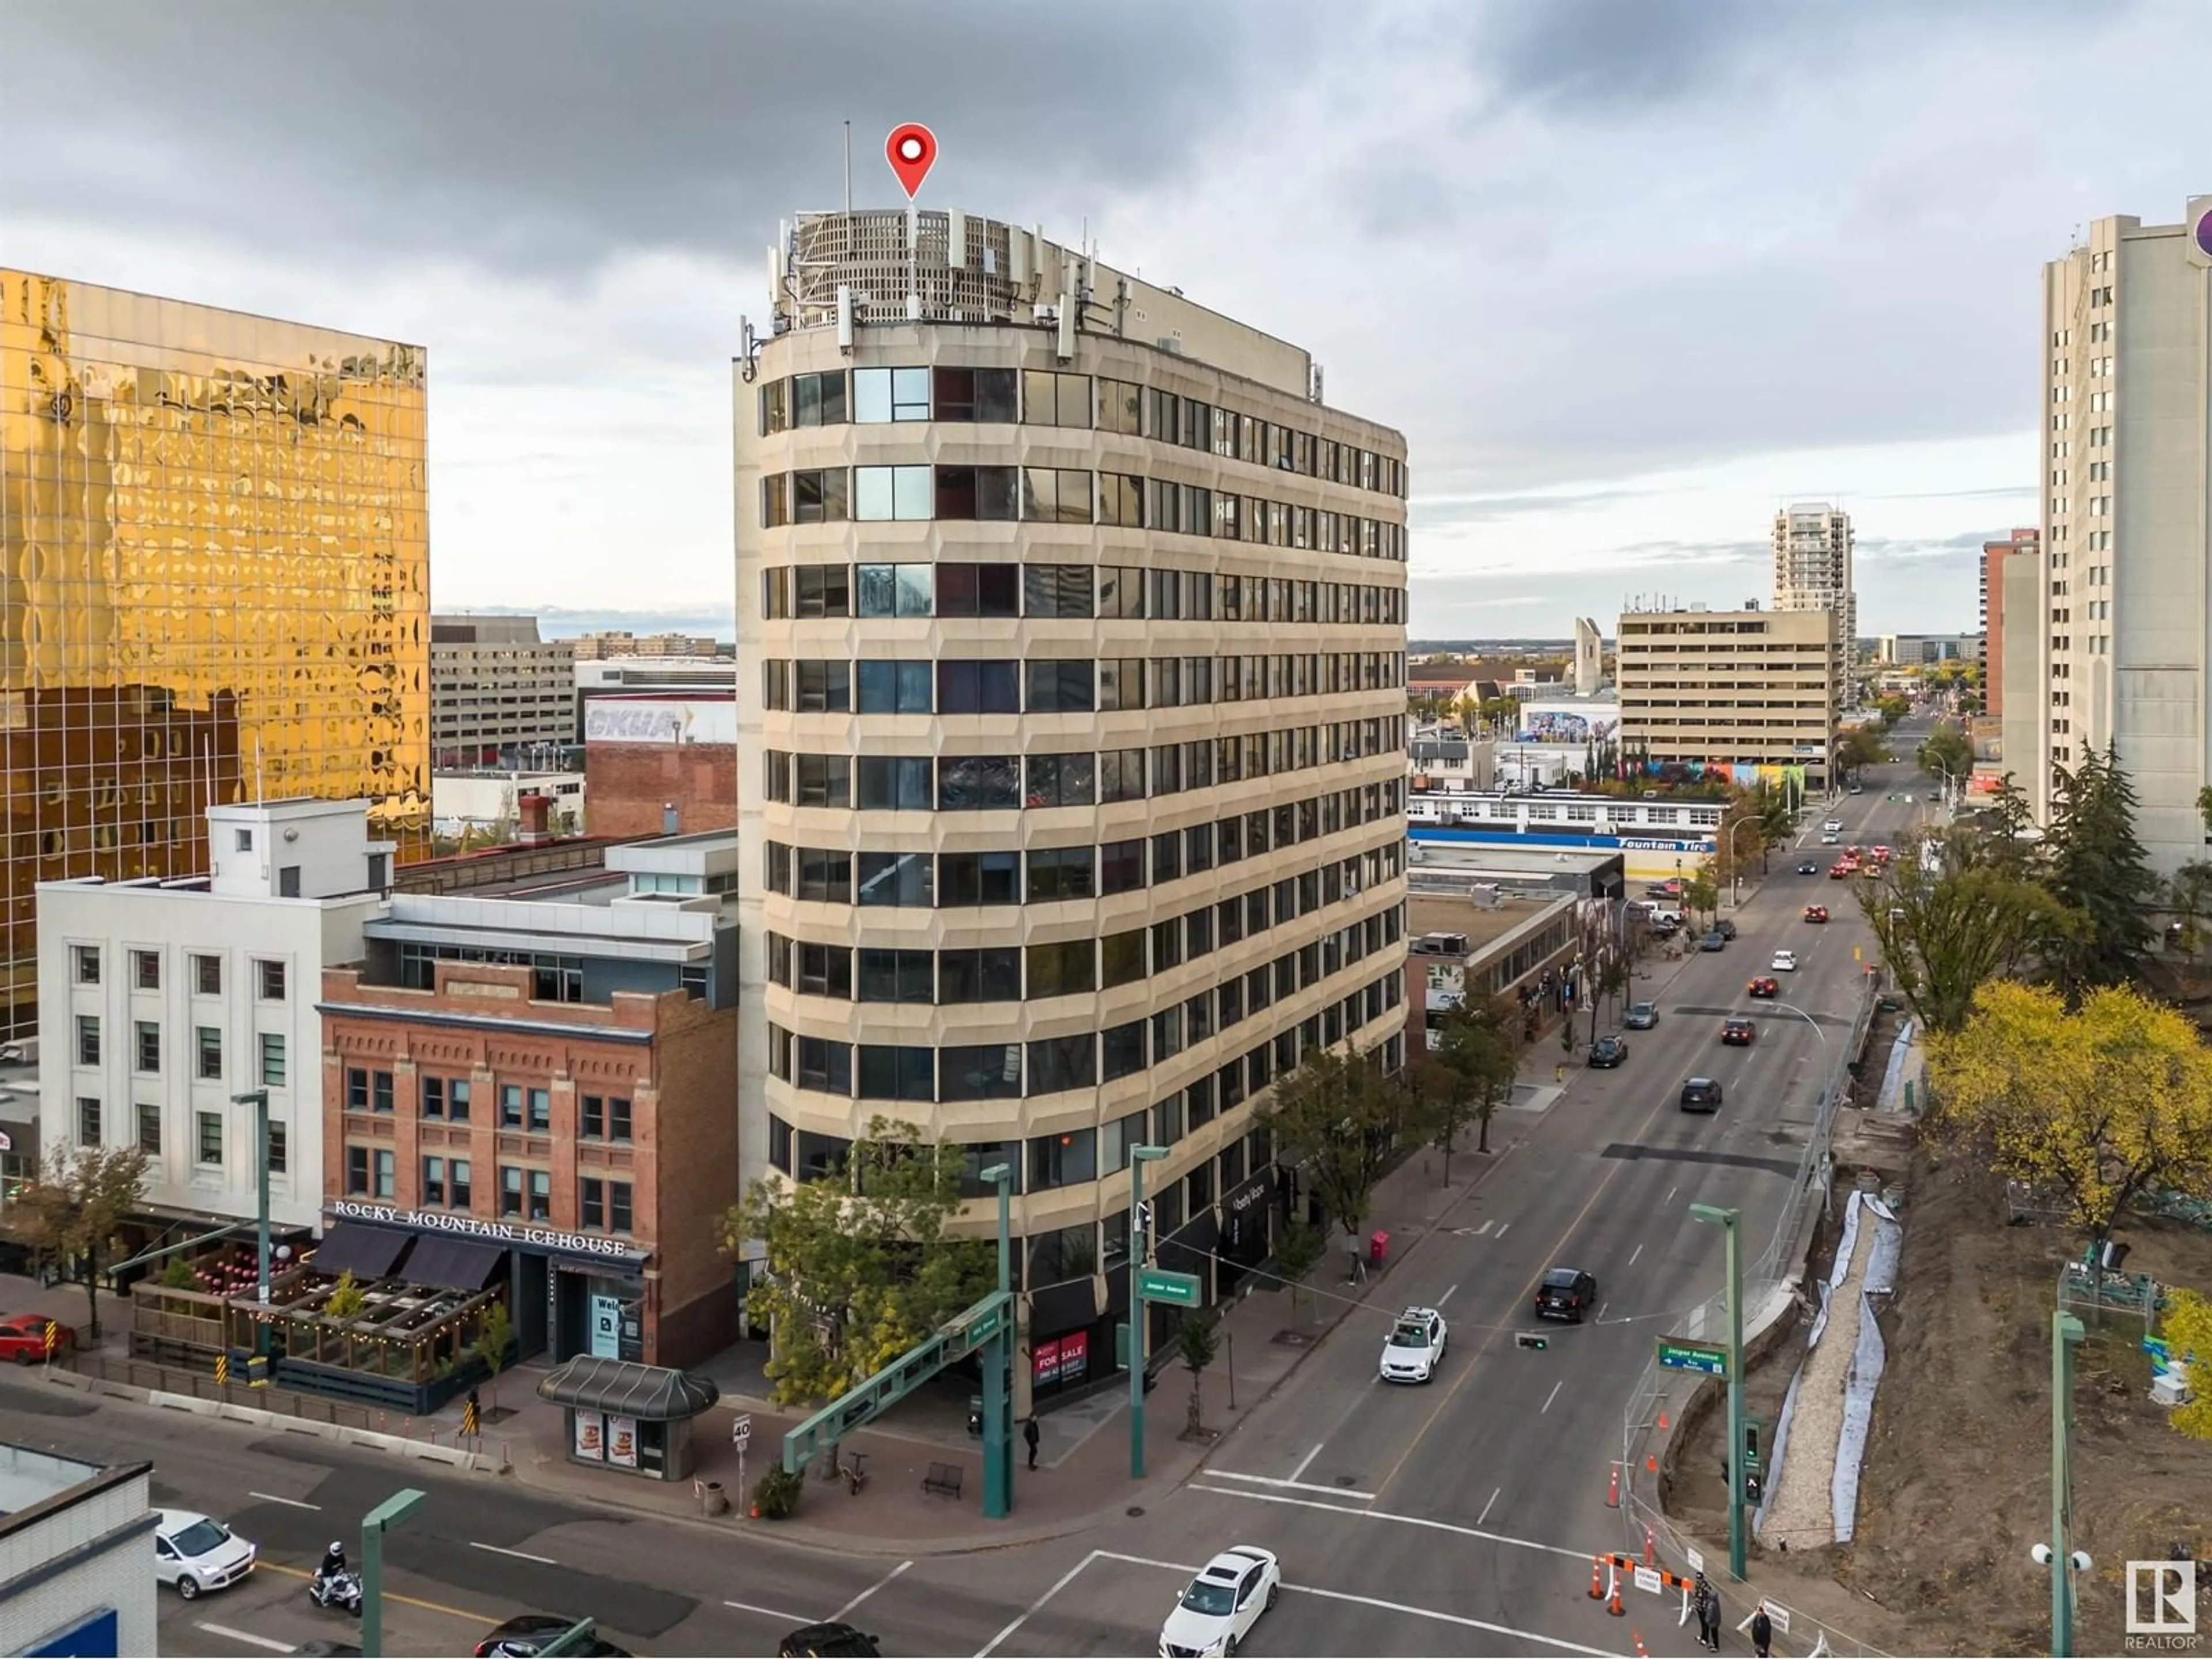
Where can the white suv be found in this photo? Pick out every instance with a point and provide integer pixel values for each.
(196, 1553)
(1415, 1344)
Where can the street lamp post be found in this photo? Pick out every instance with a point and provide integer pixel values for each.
(1735, 869)
(373, 1525)
(259, 1099)
(997, 1419)
(1731, 1222)
(2066, 1335)
(1138, 1157)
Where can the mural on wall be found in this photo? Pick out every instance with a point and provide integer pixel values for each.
(1541, 725)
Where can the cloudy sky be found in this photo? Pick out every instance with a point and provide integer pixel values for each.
(1628, 273)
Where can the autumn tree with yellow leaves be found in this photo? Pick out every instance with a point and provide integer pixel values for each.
(2187, 1327)
(2098, 1105)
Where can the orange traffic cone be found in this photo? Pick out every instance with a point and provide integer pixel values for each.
(1613, 1606)
(1651, 1466)
(1612, 1489)
(1597, 1578)
(1663, 1422)
(1642, 1652)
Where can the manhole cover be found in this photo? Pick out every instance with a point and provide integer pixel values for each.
(1290, 1339)
(1135, 1512)
(1344, 1480)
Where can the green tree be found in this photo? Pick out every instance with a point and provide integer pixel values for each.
(1701, 890)
(2189, 896)
(1776, 819)
(1946, 750)
(1478, 1047)
(1197, 1341)
(2011, 839)
(860, 1265)
(1947, 925)
(1856, 749)
(2099, 1104)
(1337, 1118)
(1298, 1254)
(71, 1211)
(1892, 707)
(2204, 804)
(2096, 867)
(1428, 1109)
(494, 1335)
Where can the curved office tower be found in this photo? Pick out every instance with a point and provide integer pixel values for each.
(1071, 634)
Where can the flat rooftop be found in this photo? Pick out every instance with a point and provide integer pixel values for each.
(28, 1476)
(1460, 858)
(1484, 925)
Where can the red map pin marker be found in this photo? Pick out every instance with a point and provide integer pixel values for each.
(912, 151)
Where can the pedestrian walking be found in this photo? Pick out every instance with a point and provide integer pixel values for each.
(1030, 1436)
(1762, 1632)
(1709, 1616)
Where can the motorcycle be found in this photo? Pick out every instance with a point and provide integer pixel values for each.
(340, 1590)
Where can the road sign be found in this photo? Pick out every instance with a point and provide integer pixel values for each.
(1696, 1558)
(1178, 1290)
(741, 1430)
(1678, 1355)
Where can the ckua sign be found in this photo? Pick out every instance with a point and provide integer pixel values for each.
(497, 1232)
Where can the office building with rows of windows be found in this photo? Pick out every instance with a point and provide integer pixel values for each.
(1071, 732)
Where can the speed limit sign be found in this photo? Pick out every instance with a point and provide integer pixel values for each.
(741, 1430)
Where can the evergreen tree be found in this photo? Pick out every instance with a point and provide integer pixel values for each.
(2098, 870)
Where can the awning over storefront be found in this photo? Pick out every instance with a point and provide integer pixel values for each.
(364, 1252)
(453, 1264)
(651, 1393)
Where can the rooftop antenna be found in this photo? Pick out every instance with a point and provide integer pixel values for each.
(849, 169)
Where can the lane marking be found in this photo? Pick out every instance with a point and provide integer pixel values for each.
(1602, 1307)
(871, 1590)
(1639, 1251)
(1485, 1515)
(245, 1636)
(1484, 1228)
(1036, 1607)
(1291, 1485)
(1554, 1394)
(474, 1618)
(1375, 1601)
(1306, 1462)
(519, 1555)
(770, 1612)
(1502, 1226)
(288, 1502)
(1446, 1296)
(1671, 1191)
(1401, 1520)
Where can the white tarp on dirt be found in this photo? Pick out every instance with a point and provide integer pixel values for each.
(1858, 1415)
(1904, 1064)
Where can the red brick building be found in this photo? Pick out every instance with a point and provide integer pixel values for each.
(544, 1096)
(660, 764)
(1994, 554)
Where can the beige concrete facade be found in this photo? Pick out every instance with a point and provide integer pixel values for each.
(2126, 479)
(1729, 688)
(494, 685)
(1072, 775)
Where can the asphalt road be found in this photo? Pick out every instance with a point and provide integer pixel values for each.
(1455, 1518)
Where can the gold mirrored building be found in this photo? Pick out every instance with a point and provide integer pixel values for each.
(213, 584)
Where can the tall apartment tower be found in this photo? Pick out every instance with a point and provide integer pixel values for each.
(1990, 613)
(1071, 630)
(2127, 525)
(215, 578)
(1813, 571)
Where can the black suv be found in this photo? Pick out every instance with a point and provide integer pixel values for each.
(1566, 1293)
(828, 1641)
(1701, 1094)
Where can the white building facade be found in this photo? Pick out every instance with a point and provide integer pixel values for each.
(2118, 648)
(77, 1556)
(159, 1002)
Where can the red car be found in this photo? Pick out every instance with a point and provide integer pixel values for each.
(1838, 872)
(1816, 912)
(23, 1338)
(1738, 1033)
(1764, 987)
(1884, 855)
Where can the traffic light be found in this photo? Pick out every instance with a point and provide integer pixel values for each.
(1531, 1339)
(1751, 1428)
(1754, 1487)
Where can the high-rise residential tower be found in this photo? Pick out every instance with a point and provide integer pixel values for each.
(1812, 545)
(213, 584)
(1071, 632)
(2127, 526)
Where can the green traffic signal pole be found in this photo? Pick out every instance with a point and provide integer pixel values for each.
(1730, 1221)
(1138, 1157)
(997, 1419)
(388, 1514)
(259, 1099)
(2065, 1334)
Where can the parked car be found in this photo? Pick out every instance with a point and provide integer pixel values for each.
(1607, 1052)
(1715, 940)
(23, 1338)
(195, 1553)
(1414, 1345)
(1738, 1033)
(1701, 1094)
(1219, 1607)
(828, 1641)
(1725, 928)
(1763, 987)
(528, 1634)
(1566, 1293)
(1816, 912)
(1641, 1016)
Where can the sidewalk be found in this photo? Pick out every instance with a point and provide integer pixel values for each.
(1084, 1473)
